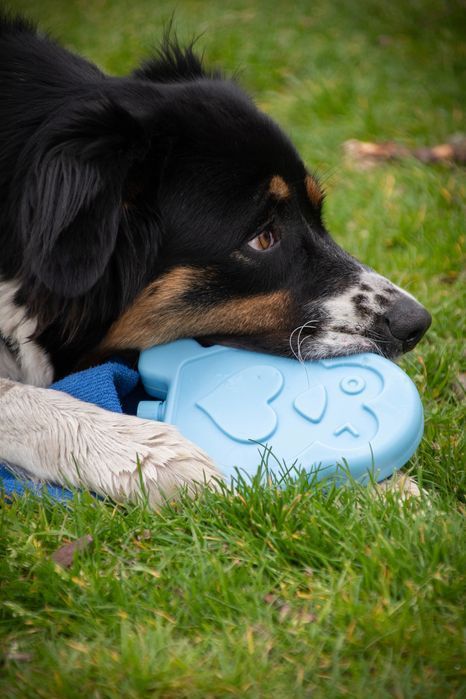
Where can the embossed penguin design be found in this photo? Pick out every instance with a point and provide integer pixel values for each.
(341, 409)
(334, 411)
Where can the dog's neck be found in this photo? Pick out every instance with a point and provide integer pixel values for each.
(21, 358)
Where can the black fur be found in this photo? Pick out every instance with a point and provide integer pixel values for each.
(107, 183)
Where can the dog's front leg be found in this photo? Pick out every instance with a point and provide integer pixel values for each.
(58, 438)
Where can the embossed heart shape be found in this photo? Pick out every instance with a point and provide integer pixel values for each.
(239, 406)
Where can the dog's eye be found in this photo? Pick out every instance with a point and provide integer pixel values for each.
(264, 241)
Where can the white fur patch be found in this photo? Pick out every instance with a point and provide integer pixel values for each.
(341, 309)
(402, 484)
(334, 344)
(344, 329)
(404, 292)
(55, 437)
(29, 363)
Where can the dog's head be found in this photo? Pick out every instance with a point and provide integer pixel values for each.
(175, 191)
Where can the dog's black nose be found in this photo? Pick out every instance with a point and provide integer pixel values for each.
(407, 321)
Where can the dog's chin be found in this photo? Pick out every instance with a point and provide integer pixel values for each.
(335, 344)
(325, 346)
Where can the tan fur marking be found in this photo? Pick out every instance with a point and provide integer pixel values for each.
(279, 188)
(160, 315)
(313, 190)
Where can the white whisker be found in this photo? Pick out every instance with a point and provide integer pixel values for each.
(299, 329)
(298, 355)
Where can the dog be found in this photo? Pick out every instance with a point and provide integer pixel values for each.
(137, 210)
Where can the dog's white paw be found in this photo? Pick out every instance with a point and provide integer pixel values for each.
(58, 438)
(140, 457)
(402, 484)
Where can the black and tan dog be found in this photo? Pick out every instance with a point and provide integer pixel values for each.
(137, 210)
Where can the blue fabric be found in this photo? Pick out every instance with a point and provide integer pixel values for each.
(106, 386)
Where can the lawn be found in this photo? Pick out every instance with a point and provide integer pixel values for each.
(297, 591)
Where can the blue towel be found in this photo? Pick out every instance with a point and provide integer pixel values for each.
(106, 385)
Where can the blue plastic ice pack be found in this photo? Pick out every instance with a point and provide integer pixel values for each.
(362, 410)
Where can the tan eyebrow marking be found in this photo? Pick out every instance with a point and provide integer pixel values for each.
(313, 190)
(279, 188)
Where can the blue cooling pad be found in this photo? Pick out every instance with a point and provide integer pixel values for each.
(362, 410)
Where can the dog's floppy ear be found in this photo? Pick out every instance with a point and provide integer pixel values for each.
(72, 175)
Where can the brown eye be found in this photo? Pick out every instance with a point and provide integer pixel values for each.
(264, 241)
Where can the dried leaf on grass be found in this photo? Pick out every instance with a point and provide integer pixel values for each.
(459, 386)
(366, 154)
(18, 656)
(64, 555)
(287, 612)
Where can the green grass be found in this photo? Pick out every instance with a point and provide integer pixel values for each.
(302, 591)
